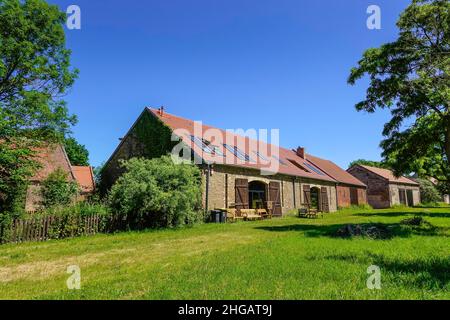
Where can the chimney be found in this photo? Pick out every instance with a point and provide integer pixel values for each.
(301, 152)
(161, 111)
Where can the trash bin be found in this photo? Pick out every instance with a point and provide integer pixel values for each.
(223, 217)
(215, 216)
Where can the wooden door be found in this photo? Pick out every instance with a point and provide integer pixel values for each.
(409, 195)
(275, 198)
(354, 196)
(324, 203)
(402, 196)
(307, 196)
(241, 194)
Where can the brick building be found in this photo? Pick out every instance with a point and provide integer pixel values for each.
(236, 173)
(51, 158)
(384, 190)
(350, 191)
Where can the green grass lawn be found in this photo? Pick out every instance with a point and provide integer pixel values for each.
(287, 258)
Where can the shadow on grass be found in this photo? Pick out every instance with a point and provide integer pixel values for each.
(404, 214)
(420, 272)
(389, 230)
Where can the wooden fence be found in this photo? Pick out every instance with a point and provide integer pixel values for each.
(46, 228)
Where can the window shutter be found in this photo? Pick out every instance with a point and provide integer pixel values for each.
(275, 197)
(307, 194)
(241, 194)
(324, 204)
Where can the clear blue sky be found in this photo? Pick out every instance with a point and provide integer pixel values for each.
(231, 64)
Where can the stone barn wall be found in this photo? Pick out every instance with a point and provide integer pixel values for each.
(395, 193)
(222, 188)
(378, 195)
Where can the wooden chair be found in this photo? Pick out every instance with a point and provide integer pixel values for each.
(308, 212)
(250, 214)
(264, 214)
(233, 215)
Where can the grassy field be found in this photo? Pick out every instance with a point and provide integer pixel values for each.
(287, 258)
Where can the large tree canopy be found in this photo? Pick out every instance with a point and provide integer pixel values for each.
(370, 163)
(410, 76)
(34, 75)
(77, 153)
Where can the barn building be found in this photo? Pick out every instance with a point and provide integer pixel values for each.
(236, 172)
(51, 158)
(384, 190)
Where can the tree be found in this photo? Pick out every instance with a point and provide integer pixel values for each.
(157, 193)
(370, 163)
(428, 192)
(77, 153)
(58, 190)
(410, 76)
(34, 75)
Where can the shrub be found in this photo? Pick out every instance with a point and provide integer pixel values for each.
(63, 221)
(157, 193)
(58, 190)
(428, 191)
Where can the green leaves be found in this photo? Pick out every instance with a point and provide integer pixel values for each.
(157, 193)
(58, 190)
(34, 73)
(77, 153)
(411, 78)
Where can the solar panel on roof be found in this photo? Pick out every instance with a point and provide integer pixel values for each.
(279, 160)
(314, 169)
(238, 153)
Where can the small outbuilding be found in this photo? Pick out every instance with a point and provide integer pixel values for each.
(384, 189)
(349, 190)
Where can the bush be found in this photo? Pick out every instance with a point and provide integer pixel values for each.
(157, 193)
(58, 190)
(428, 191)
(63, 221)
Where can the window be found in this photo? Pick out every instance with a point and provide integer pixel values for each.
(279, 160)
(259, 155)
(238, 153)
(298, 165)
(201, 144)
(314, 169)
(206, 146)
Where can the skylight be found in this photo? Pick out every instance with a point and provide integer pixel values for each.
(314, 169)
(238, 153)
(202, 145)
(259, 155)
(279, 160)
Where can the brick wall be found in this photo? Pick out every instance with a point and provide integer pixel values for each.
(345, 198)
(222, 187)
(395, 194)
(378, 195)
(51, 159)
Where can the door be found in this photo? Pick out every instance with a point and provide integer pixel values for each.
(402, 196)
(307, 196)
(354, 196)
(409, 196)
(324, 203)
(241, 194)
(275, 198)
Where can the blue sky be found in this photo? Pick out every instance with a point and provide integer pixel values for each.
(232, 64)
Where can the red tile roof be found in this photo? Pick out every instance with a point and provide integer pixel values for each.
(334, 171)
(293, 165)
(51, 158)
(389, 175)
(85, 178)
